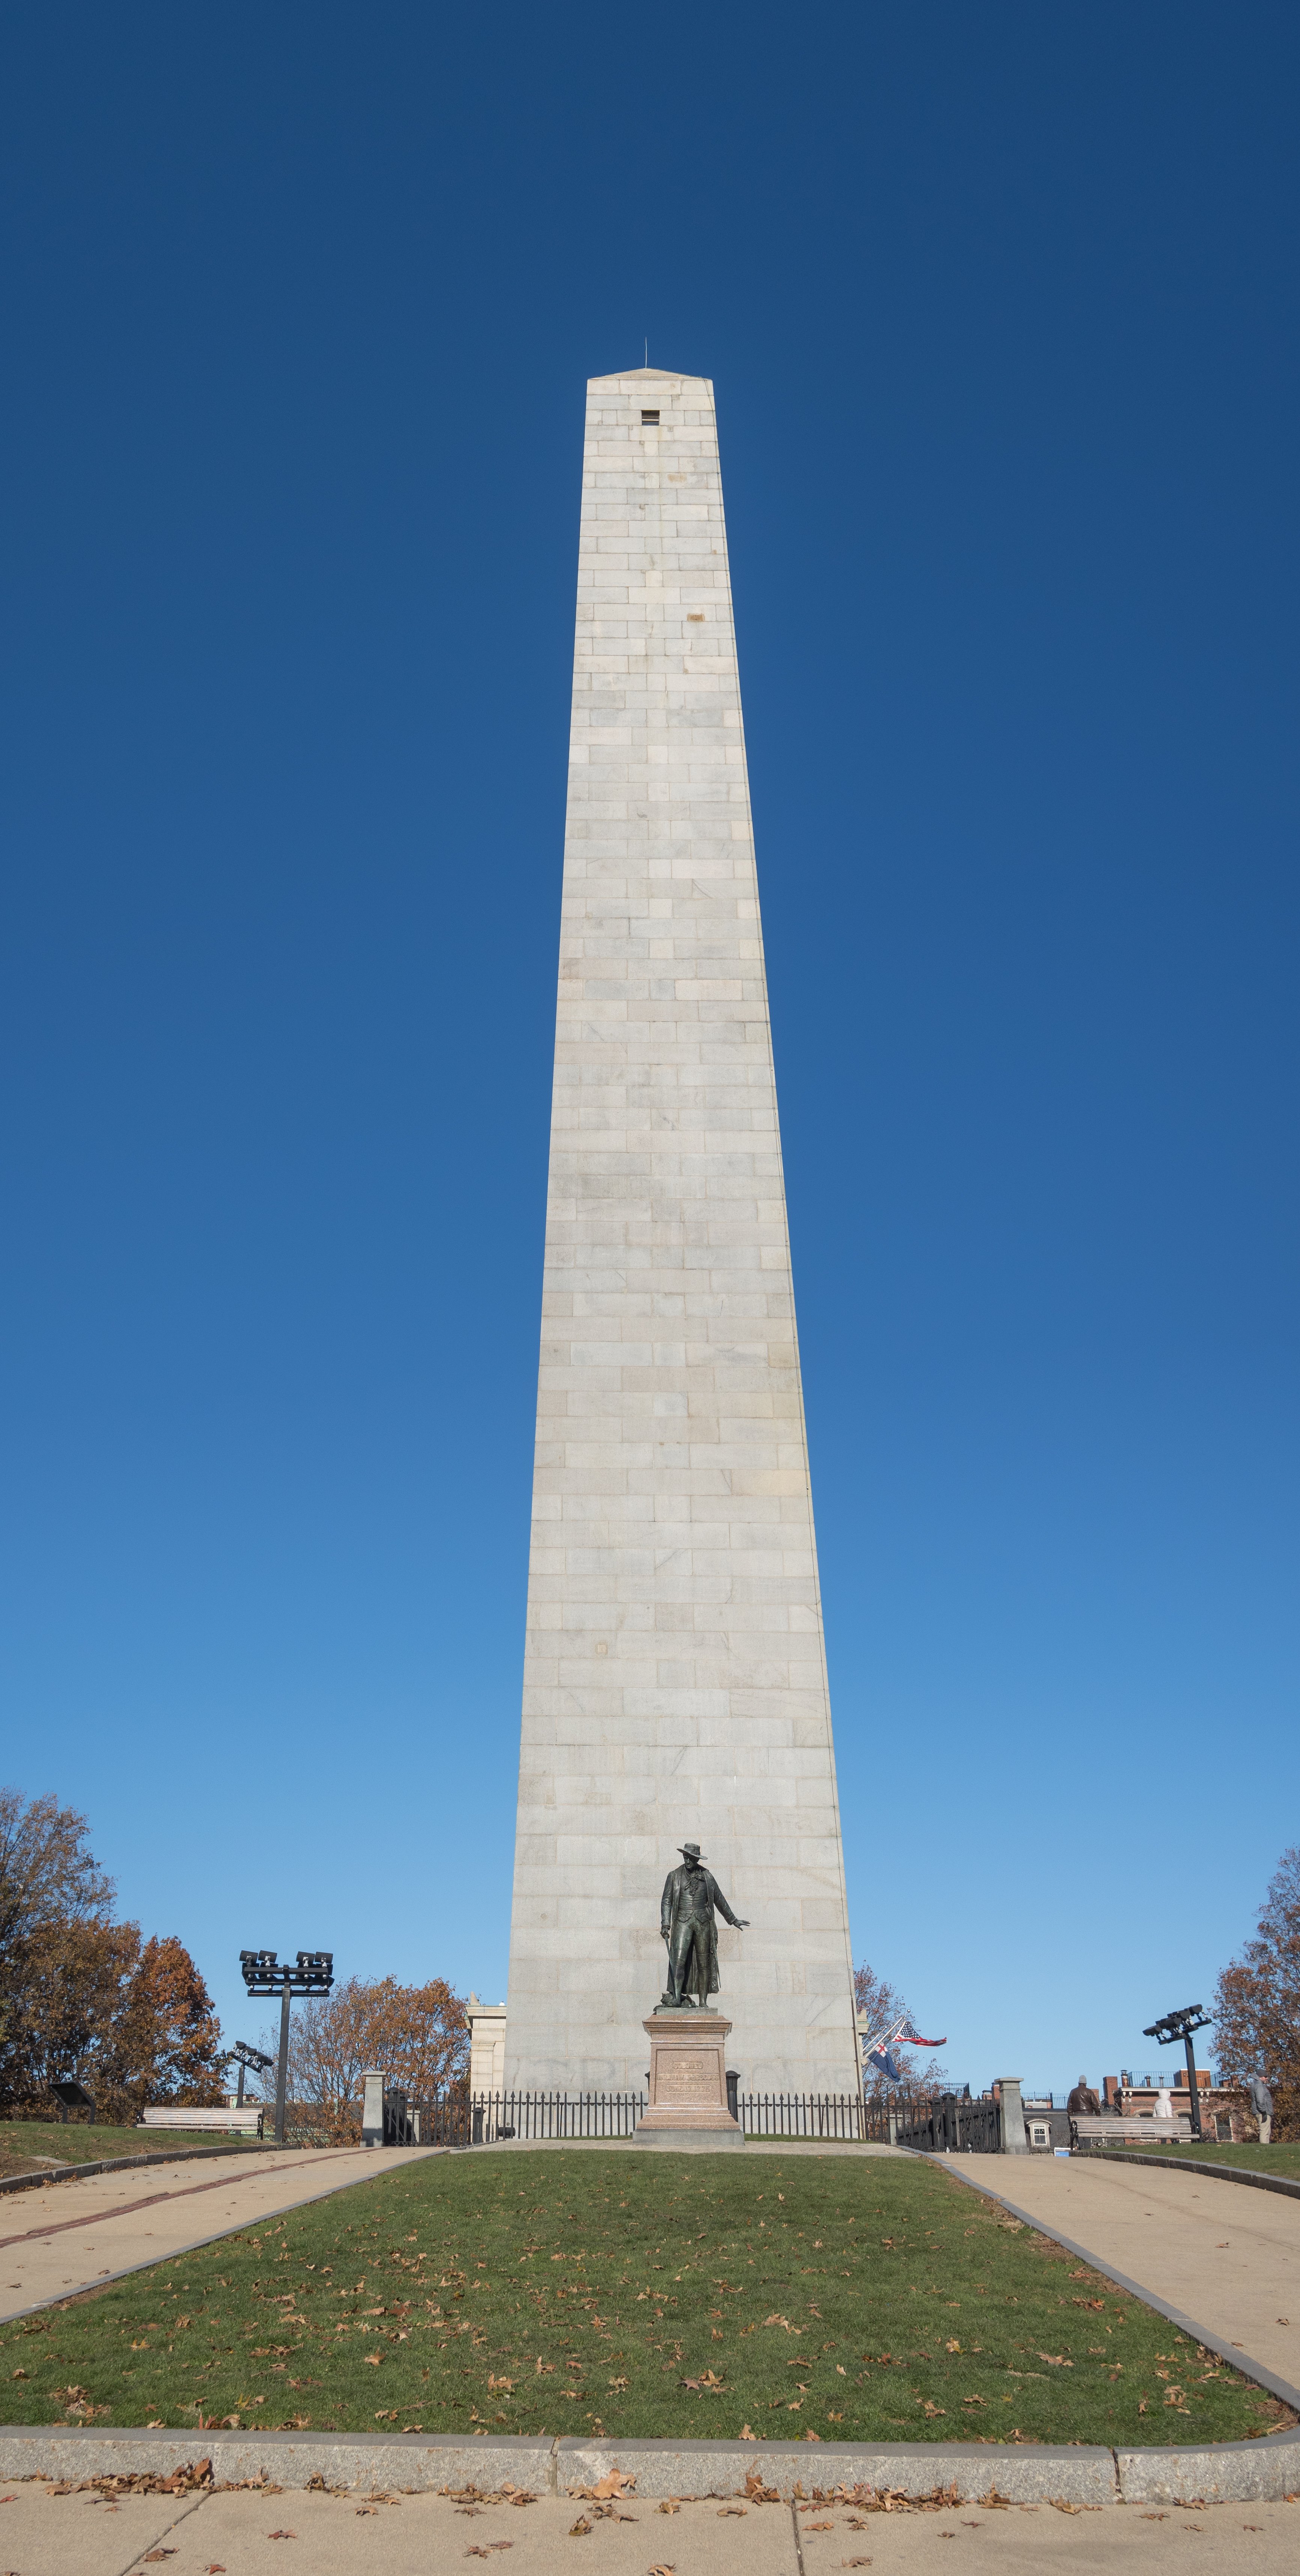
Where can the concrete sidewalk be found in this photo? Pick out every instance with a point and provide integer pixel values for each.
(1230, 2259)
(79, 2234)
(47, 2533)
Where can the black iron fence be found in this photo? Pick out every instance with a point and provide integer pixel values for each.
(481, 2119)
(812, 2115)
(936, 2123)
(948, 2123)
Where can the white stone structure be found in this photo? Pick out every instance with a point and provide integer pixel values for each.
(675, 1676)
(487, 2046)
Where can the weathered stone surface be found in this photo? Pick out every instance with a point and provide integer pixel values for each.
(1226, 2472)
(419, 2460)
(675, 1677)
(1261, 2472)
(1074, 2475)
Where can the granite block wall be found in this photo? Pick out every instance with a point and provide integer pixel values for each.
(675, 1676)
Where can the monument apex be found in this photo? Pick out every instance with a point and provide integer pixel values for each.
(675, 1685)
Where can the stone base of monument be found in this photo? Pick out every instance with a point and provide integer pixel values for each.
(688, 2081)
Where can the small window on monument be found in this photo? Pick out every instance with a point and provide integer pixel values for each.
(649, 420)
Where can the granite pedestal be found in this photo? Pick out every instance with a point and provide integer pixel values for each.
(688, 2081)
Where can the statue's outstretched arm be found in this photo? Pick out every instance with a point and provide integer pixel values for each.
(738, 1922)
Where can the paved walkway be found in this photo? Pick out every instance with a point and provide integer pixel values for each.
(46, 2533)
(1227, 2256)
(77, 2235)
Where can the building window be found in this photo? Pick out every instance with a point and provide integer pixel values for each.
(649, 420)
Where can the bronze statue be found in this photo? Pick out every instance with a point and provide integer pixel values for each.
(686, 1922)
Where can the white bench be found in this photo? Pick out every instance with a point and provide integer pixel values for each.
(1127, 2130)
(236, 2124)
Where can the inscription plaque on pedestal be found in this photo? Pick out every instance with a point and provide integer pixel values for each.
(688, 2081)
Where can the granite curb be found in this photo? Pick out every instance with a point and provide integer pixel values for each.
(131, 2164)
(1249, 2174)
(1026, 2474)
(411, 2461)
(1263, 2472)
(1229, 2352)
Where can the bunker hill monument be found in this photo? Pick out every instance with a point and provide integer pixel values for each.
(675, 1689)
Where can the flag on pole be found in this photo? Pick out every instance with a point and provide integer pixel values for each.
(911, 2037)
(884, 2064)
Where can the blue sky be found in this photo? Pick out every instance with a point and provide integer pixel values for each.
(1000, 308)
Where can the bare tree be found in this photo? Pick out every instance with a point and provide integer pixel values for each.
(47, 1873)
(883, 2007)
(418, 2036)
(329, 2049)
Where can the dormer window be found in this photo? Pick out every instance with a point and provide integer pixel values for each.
(649, 420)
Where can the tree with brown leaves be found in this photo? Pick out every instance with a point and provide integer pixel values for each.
(417, 2035)
(80, 1993)
(1257, 2001)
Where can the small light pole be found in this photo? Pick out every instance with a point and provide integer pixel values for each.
(250, 2061)
(314, 1975)
(1173, 2026)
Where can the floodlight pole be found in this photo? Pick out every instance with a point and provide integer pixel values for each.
(1182, 2025)
(282, 2065)
(263, 1975)
(1190, 2046)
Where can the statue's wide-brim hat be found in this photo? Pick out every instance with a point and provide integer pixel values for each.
(690, 1851)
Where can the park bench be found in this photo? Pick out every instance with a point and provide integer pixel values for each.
(236, 2124)
(1118, 2129)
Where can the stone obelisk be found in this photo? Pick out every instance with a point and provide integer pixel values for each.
(675, 1675)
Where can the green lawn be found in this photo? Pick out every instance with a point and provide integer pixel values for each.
(1283, 2160)
(566, 2291)
(71, 2142)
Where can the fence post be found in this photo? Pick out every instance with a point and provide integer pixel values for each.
(372, 2109)
(1013, 2117)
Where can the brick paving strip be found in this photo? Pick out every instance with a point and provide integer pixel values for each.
(284, 2182)
(124, 2164)
(124, 2208)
